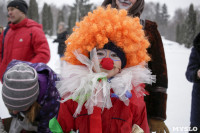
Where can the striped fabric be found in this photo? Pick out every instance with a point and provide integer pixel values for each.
(20, 87)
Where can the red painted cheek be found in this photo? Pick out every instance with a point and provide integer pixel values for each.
(107, 63)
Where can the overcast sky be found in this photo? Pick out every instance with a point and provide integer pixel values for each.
(172, 4)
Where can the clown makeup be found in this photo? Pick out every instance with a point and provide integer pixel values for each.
(102, 53)
(125, 4)
(109, 62)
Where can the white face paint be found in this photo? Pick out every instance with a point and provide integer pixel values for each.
(104, 53)
(125, 4)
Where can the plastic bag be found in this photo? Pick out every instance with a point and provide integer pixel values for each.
(17, 125)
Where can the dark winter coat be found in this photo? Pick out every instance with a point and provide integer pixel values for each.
(191, 75)
(61, 38)
(157, 100)
(4, 35)
(118, 119)
(48, 97)
(24, 41)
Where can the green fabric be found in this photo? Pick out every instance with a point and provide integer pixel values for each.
(54, 126)
(104, 78)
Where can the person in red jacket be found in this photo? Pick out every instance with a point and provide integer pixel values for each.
(102, 84)
(25, 40)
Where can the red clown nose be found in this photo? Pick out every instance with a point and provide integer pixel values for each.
(107, 63)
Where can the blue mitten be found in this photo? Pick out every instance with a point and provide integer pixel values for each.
(128, 95)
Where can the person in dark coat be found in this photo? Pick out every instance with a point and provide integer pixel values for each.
(157, 100)
(193, 75)
(61, 37)
(4, 34)
(30, 95)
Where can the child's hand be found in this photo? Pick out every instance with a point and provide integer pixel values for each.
(136, 129)
(198, 74)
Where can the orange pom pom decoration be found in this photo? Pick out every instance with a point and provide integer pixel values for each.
(104, 25)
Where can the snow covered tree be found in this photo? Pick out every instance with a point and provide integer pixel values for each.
(164, 15)
(149, 11)
(84, 8)
(198, 20)
(164, 18)
(198, 28)
(33, 10)
(60, 17)
(178, 31)
(191, 23)
(158, 14)
(178, 22)
(47, 19)
(66, 9)
(3, 13)
(50, 21)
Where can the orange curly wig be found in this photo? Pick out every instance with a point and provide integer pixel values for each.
(104, 25)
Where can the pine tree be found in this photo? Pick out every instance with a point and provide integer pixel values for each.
(158, 14)
(50, 21)
(60, 17)
(72, 18)
(33, 10)
(149, 11)
(178, 33)
(198, 28)
(66, 12)
(164, 15)
(45, 18)
(190, 23)
(84, 8)
(164, 18)
(3, 13)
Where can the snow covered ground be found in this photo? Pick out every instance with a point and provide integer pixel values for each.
(179, 89)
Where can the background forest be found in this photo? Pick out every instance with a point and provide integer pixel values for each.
(182, 27)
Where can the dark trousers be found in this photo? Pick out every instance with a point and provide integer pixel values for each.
(194, 127)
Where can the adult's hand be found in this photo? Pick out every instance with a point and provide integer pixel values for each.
(158, 126)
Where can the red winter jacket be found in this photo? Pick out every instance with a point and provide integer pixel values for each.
(118, 119)
(24, 41)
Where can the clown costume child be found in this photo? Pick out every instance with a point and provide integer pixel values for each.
(102, 82)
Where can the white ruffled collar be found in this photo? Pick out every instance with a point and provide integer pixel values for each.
(82, 85)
